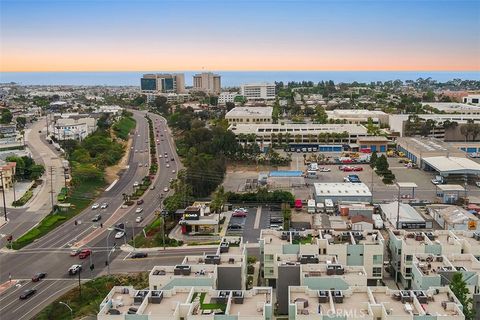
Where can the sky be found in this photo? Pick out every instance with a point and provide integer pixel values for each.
(239, 35)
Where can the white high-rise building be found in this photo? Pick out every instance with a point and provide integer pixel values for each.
(258, 91)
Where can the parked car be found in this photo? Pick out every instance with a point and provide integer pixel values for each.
(165, 189)
(139, 202)
(241, 210)
(119, 235)
(477, 184)
(132, 310)
(74, 269)
(135, 184)
(139, 219)
(74, 252)
(96, 218)
(240, 214)
(324, 170)
(235, 227)
(357, 168)
(27, 294)
(39, 275)
(95, 206)
(138, 255)
(139, 210)
(104, 205)
(84, 253)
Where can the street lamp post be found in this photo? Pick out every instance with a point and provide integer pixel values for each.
(66, 305)
(398, 207)
(108, 251)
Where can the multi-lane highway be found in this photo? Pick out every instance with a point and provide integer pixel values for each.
(51, 253)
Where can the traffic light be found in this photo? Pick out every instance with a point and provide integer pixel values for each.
(106, 263)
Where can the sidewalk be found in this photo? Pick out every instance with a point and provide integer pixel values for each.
(7, 285)
(129, 248)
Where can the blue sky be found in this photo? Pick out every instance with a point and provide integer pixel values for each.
(239, 35)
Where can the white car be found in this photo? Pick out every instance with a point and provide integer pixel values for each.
(477, 184)
(140, 165)
(168, 165)
(104, 205)
(159, 155)
(135, 184)
(165, 189)
(325, 170)
(95, 206)
(173, 171)
(119, 235)
(138, 210)
(139, 219)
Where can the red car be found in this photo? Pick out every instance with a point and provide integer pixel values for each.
(357, 169)
(347, 169)
(240, 214)
(84, 253)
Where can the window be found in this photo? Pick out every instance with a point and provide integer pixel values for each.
(377, 271)
(408, 272)
(154, 287)
(408, 257)
(377, 259)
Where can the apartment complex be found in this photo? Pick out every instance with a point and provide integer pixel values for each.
(186, 302)
(207, 82)
(249, 115)
(403, 245)
(373, 303)
(7, 170)
(258, 91)
(163, 83)
(301, 132)
(225, 97)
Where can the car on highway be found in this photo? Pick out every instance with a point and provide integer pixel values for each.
(138, 255)
(38, 276)
(104, 205)
(166, 154)
(165, 189)
(95, 206)
(96, 218)
(139, 210)
(140, 165)
(119, 235)
(152, 187)
(74, 252)
(160, 156)
(74, 269)
(136, 150)
(140, 201)
(168, 166)
(135, 184)
(84, 253)
(240, 214)
(27, 294)
(120, 227)
(173, 171)
(139, 219)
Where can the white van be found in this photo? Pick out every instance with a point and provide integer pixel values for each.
(320, 207)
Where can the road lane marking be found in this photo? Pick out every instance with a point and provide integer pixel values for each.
(257, 217)
(17, 298)
(37, 294)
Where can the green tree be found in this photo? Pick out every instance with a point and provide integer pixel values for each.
(21, 122)
(372, 129)
(6, 116)
(229, 105)
(373, 159)
(320, 115)
(459, 288)
(218, 200)
(382, 163)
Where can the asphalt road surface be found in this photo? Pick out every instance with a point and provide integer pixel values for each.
(50, 253)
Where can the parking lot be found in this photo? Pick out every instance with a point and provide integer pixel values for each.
(258, 217)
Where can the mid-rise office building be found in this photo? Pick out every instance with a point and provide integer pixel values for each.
(472, 99)
(258, 91)
(225, 97)
(358, 116)
(163, 83)
(249, 115)
(207, 82)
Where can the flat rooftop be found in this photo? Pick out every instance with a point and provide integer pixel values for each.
(425, 146)
(343, 189)
(168, 304)
(453, 165)
(249, 112)
(303, 128)
(451, 106)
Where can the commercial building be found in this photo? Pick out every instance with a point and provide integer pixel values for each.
(404, 216)
(225, 97)
(249, 115)
(113, 110)
(207, 82)
(404, 245)
(74, 128)
(301, 133)
(472, 99)
(416, 149)
(454, 217)
(258, 91)
(342, 192)
(373, 143)
(454, 107)
(449, 193)
(186, 302)
(197, 219)
(439, 129)
(373, 303)
(163, 83)
(359, 116)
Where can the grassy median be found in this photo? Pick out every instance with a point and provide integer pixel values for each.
(93, 292)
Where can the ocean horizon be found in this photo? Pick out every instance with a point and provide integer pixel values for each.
(229, 78)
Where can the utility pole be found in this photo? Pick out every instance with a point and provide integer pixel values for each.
(398, 208)
(3, 196)
(51, 187)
